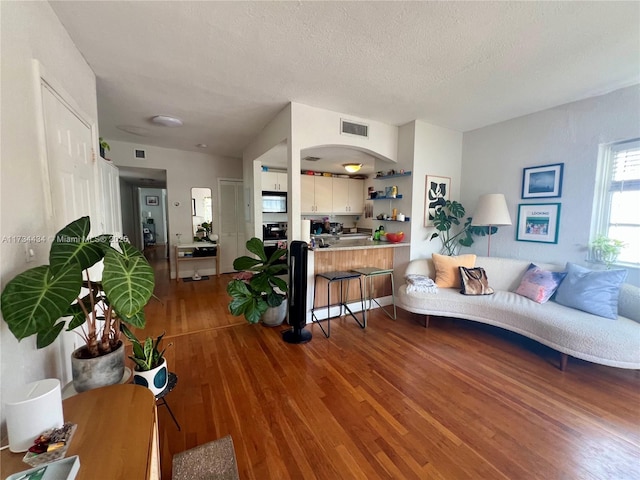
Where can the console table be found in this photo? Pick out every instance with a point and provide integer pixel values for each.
(187, 248)
(116, 438)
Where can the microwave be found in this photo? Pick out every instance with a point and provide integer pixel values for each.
(274, 202)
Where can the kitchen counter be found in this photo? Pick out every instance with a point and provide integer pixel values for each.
(358, 244)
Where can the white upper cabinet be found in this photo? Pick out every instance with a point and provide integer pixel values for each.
(348, 196)
(316, 194)
(274, 181)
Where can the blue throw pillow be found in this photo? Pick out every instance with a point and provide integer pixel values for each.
(538, 284)
(591, 291)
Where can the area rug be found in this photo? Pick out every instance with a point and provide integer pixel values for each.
(212, 461)
(189, 279)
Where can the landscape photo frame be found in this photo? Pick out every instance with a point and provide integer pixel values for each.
(436, 193)
(152, 200)
(544, 181)
(538, 222)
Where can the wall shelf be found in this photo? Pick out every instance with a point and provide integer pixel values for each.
(399, 221)
(395, 175)
(397, 197)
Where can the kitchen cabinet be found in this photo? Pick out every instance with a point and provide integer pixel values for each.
(274, 181)
(347, 196)
(316, 194)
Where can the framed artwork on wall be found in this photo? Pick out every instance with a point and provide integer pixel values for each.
(538, 222)
(544, 181)
(152, 200)
(436, 193)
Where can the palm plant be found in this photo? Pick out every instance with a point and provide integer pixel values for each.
(42, 300)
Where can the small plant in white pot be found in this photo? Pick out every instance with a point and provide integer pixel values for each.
(150, 365)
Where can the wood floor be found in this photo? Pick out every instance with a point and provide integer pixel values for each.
(455, 401)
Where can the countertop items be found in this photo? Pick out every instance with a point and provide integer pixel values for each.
(360, 244)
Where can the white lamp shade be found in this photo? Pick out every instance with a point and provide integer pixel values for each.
(491, 210)
(30, 410)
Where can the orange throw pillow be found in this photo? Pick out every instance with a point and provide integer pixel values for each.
(447, 273)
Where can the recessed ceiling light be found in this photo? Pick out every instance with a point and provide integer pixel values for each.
(202, 145)
(167, 121)
(352, 167)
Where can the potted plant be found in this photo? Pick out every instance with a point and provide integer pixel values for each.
(150, 365)
(43, 300)
(606, 250)
(444, 220)
(104, 146)
(257, 290)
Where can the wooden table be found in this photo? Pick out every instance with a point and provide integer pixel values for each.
(191, 247)
(116, 438)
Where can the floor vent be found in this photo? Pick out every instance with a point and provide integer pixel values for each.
(140, 153)
(352, 128)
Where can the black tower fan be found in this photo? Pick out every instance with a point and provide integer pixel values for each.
(297, 294)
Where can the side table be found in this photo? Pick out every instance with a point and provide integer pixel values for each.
(171, 384)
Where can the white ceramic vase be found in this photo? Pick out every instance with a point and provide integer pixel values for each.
(155, 379)
(274, 316)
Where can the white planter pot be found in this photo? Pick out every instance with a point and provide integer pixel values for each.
(155, 379)
(89, 373)
(274, 316)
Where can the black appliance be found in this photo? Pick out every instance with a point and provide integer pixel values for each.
(297, 294)
(274, 202)
(274, 232)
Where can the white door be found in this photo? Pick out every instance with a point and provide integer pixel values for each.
(71, 170)
(232, 236)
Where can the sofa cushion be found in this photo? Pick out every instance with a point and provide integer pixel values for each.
(447, 273)
(591, 291)
(538, 284)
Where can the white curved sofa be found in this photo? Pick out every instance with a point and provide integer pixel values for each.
(571, 332)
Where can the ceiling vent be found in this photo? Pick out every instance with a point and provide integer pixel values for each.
(352, 128)
(311, 159)
(139, 153)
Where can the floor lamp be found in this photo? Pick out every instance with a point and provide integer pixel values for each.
(491, 211)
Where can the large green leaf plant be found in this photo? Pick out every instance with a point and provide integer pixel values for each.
(43, 300)
(258, 285)
(447, 219)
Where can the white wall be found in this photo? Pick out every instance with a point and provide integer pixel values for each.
(30, 30)
(184, 170)
(494, 156)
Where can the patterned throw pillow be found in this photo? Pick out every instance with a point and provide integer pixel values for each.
(447, 273)
(592, 291)
(538, 284)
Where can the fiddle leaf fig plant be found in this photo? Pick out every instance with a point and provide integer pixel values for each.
(257, 286)
(43, 300)
(446, 218)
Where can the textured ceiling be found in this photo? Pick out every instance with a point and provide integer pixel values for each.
(226, 68)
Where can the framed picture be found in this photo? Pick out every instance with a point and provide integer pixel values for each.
(544, 181)
(152, 200)
(538, 222)
(436, 193)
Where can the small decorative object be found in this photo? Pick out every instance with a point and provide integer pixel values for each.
(538, 222)
(44, 300)
(152, 200)
(544, 181)
(50, 445)
(606, 250)
(258, 286)
(437, 191)
(104, 146)
(395, 237)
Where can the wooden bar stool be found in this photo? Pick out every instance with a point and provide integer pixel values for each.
(337, 277)
(369, 273)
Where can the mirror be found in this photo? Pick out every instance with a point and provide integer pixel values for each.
(201, 213)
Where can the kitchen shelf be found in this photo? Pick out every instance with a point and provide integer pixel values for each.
(395, 175)
(397, 197)
(399, 221)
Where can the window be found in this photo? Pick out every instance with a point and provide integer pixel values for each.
(617, 209)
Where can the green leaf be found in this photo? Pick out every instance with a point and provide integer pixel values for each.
(256, 246)
(72, 245)
(34, 300)
(456, 209)
(245, 263)
(77, 315)
(128, 281)
(46, 338)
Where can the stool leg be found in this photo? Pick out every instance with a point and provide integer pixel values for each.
(314, 319)
(364, 312)
(393, 297)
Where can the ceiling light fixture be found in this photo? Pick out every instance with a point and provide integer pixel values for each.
(352, 167)
(167, 121)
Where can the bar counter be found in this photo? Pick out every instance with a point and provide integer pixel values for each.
(359, 244)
